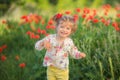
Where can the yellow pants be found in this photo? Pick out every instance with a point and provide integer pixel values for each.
(54, 73)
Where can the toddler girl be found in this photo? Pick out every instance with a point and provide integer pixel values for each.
(58, 48)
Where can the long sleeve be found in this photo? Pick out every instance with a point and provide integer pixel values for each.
(39, 45)
(74, 52)
(58, 55)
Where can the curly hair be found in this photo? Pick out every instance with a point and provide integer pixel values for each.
(60, 19)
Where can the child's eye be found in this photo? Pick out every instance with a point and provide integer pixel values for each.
(68, 28)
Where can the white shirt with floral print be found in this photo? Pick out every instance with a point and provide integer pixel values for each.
(58, 55)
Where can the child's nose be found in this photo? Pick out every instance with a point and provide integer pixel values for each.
(64, 29)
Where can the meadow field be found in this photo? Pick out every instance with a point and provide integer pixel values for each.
(98, 35)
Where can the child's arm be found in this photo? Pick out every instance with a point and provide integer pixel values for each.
(74, 52)
(39, 45)
(44, 43)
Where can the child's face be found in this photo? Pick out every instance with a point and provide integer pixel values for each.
(64, 29)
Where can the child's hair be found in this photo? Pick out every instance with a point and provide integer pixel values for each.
(59, 18)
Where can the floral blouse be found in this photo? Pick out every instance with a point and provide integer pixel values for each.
(58, 55)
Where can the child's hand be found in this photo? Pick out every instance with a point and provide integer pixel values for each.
(47, 45)
(82, 55)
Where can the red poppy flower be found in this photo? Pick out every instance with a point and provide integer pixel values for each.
(67, 12)
(95, 20)
(43, 31)
(107, 22)
(106, 13)
(76, 17)
(118, 15)
(94, 12)
(28, 32)
(84, 16)
(32, 35)
(115, 24)
(103, 20)
(24, 17)
(117, 8)
(59, 15)
(4, 21)
(4, 46)
(3, 57)
(50, 27)
(86, 11)
(50, 22)
(90, 17)
(1, 49)
(117, 28)
(22, 65)
(78, 9)
(37, 36)
(38, 30)
(106, 6)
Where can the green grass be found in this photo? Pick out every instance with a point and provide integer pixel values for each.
(100, 43)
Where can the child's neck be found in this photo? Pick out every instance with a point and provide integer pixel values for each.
(60, 39)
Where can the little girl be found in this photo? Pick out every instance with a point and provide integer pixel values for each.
(58, 48)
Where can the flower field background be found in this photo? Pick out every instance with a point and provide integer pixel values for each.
(98, 35)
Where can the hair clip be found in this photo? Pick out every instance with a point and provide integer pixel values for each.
(58, 16)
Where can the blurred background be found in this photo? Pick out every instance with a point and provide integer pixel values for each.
(23, 22)
(16, 8)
